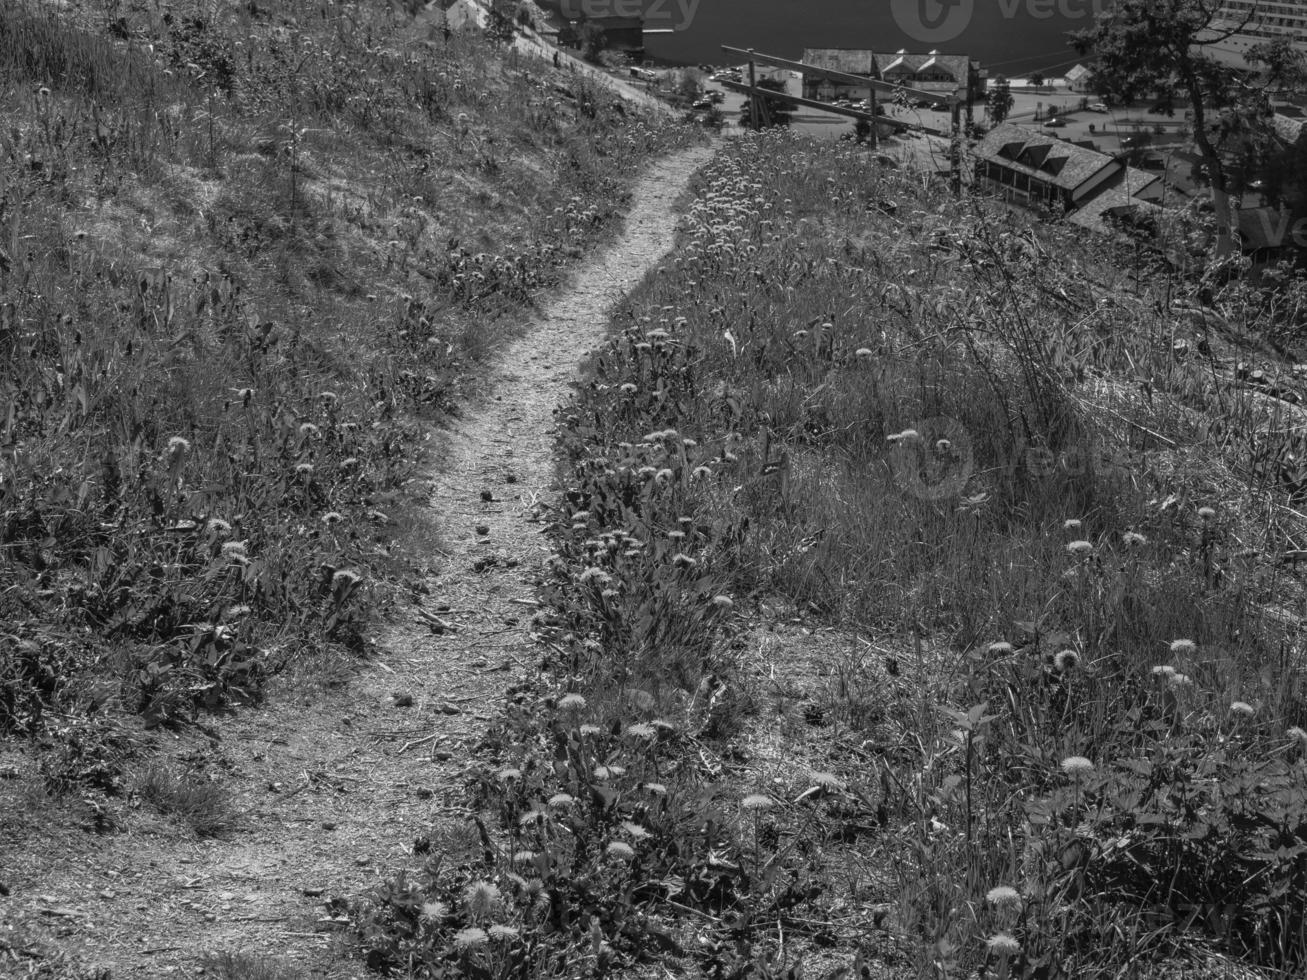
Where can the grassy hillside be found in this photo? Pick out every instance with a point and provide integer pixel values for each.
(928, 605)
(244, 250)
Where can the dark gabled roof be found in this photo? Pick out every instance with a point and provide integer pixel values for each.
(1055, 161)
(1124, 195)
(1288, 128)
(863, 61)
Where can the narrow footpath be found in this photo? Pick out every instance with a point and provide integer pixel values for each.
(334, 789)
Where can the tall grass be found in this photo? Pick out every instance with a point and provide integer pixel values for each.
(241, 260)
(1007, 460)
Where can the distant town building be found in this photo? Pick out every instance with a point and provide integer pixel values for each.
(945, 74)
(1241, 25)
(1030, 168)
(1079, 78)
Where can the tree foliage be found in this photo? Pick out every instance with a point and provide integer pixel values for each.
(998, 103)
(777, 113)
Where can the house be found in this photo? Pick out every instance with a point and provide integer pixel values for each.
(1079, 79)
(621, 33)
(945, 74)
(1028, 167)
(1132, 195)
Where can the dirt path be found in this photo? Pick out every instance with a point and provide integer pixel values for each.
(334, 789)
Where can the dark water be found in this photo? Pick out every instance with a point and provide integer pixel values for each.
(1014, 37)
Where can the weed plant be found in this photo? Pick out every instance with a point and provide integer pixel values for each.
(1036, 476)
(244, 250)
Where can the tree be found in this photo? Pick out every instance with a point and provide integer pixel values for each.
(777, 111)
(1147, 47)
(998, 103)
(1036, 79)
(593, 41)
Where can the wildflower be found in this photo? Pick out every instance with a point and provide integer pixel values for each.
(328, 397)
(657, 789)
(629, 389)
(571, 702)
(723, 601)
(676, 535)
(1080, 547)
(1000, 649)
(700, 473)
(1071, 524)
(642, 731)
(757, 801)
(529, 818)
(1001, 944)
(503, 932)
(943, 445)
(907, 435)
(1242, 708)
(593, 574)
(664, 475)
(1183, 648)
(481, 898)
(562, 799)
(1077, 765)
(1179, 680)
(635, 830)
(344, 579)
(304, 469)
(309, 430)
(608, 772)
(216, 525)
(1002, 895)
(332, 517)
(827, 780)
(178, 446)
(1298, 735)
(620, 851)
(349, 462)
(435, 910)
(1133, 539)
(1163, 670)
(591, 730)
(467, 938)
(233, 549)
(862, 352)
(1066, 660)
(1206, 513)
(235, 612)
(244, 394)
(523, 857)
(683, 561)
(507, 775)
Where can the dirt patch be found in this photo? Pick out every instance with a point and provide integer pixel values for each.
(334, 790)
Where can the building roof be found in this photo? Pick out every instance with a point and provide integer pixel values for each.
(863, 61)
(1288, 128)
(1133, 190)
(851, 61)
(1077, 72)
(1052, 160)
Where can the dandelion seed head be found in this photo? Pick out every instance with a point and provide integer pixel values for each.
(304, 469)
(1163, 670)
(345, 578)
(1001, 944)
(620, 851)
(308, 429)
(1298, 734)
(657, 789)
(435, 910)
(828, 780)
(503, 932)
(1066, 660)
(1183, 648)
(1080, 547)
(1241, 708)
(862, 352)
(1001, 895)
(471, 937)
(1206, 513)
(481, 898)
(636, 831)
(1077, 765)
(590, 730)
(1000, 649)
(642, 731)
(723, 602)
(1071, 524)
(508, 775)
(216, 525)
(572, 702)
(332, 517)
(757, 801)
(1179, 680)
(1133, 539)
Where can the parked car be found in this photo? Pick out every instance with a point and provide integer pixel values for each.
(1054, 123)
(716, 96)
(1098, 107)
(701, 104)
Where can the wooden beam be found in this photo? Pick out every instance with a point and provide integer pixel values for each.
(798, 100)
(860, 81)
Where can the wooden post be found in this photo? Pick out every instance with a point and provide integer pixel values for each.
(955, 149)
(875, 126)
(753, 99)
